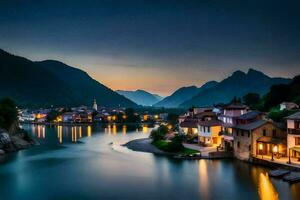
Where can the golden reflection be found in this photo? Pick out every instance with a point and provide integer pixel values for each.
(145, 128)
(114, 129)
(266, 189)
(124, 129)
(59, 134)
(203, 179)
(89, 131)
(109, 129)
(80, 131)
(43, 132)
(74, 134)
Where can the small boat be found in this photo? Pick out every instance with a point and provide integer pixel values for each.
(292, 177)
(278, 172)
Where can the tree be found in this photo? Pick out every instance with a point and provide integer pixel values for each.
(52, 115)
(236, 100)
(176, 144)
(172, 118)
(252, 100)
(159, 133)
(131, 116)
(8, 113)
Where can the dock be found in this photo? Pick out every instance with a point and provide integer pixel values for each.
(278, 173)
(292, 177)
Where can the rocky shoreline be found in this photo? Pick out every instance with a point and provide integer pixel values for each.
(14, 142)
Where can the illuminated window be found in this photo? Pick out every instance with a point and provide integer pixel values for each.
(297, 140)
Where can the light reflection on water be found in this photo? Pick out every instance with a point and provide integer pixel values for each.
(78, 131)
(114, 172)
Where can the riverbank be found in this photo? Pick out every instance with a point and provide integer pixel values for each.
(145, 145)
(85, 123)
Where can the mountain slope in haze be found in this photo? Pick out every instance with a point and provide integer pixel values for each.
(141, 97)
(238, 84)
(52, 83)
(183, 94)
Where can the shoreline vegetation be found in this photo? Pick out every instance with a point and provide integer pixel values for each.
(12, 137)
(162, 141)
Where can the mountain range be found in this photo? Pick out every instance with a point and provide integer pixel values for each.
(45, 83)
(183, 94)
(238, 84)
(141, 97)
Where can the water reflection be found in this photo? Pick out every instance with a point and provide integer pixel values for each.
(73, 133)
(203, 179)
(266, 189)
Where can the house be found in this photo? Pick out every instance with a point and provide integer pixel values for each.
(288, 106)
(231, 112)
(189, 127)
(208, 133)
(68, 116)
(293, 135)
(259, 138)
(230, 116)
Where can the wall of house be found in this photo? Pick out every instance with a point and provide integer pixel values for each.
(290, 124)
(241, 144)
(269, 127)
(291, 141)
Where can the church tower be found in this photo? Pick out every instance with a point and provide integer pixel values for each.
(95, 106)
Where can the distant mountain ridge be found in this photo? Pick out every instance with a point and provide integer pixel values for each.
(183, 94)
(52, 83)
(238, 84)
(141, 97)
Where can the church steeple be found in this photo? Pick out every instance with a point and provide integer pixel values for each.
(95, 106)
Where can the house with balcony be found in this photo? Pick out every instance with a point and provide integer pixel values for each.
(293, 135)
(209, 133)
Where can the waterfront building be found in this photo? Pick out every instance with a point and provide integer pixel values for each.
(229, 117)
(293, 135)
(259, 138)
(209, 133)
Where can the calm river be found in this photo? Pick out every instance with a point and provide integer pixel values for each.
(87, 162)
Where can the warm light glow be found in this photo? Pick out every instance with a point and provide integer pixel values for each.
(114, 129)
(266, 189)
(145, 117)
(260, 146)
(59, 118)
(114, 118)
(124, 129)
(59, 134)
(145, 129)
(89, 131)
(275, 149)
(155, 116)
(109, 118)
(124, 116)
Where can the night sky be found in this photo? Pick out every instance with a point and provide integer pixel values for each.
(156, 45)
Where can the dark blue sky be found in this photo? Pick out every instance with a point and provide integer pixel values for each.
(156, 45)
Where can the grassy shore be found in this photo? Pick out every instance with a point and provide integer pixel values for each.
(167, 147)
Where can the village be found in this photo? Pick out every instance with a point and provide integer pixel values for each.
(247, 134)
(88, 115)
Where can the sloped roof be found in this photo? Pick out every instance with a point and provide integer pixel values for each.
(210, 123)
(294, 116)
(189, 124)
(252, 126)
(236, 106)
(271, 140)
(249, 115)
